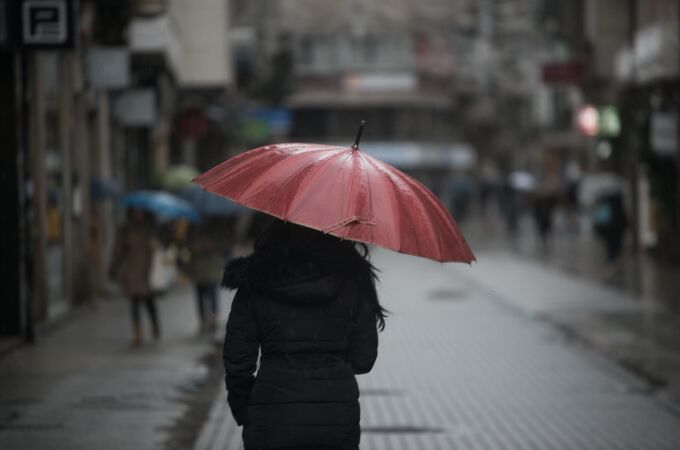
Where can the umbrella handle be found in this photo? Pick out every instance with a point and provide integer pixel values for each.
(361, 130)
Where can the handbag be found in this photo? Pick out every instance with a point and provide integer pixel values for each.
(163, 271)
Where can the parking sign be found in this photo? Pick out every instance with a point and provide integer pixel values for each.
(46, 23)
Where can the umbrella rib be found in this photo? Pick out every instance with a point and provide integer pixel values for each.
(395, 201)
(429, 212)
(266, 174)
(412, 185)
(440, 214)
(206, 179)
(424, 211)
(350, 156)
(370, 191)
(225, 169)
(307, 180)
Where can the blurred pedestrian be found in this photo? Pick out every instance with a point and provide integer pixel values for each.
(460, 191)
(610, 222)
(544, 206)
(512, 208)
(207, 255)
(307, 301)
(489, 181)
(131, 267)
(572, 177)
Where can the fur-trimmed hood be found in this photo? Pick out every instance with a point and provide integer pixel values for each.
(296, 273)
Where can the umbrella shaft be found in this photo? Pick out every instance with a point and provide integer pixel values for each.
(361, 130)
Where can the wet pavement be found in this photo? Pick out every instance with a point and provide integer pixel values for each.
(512, 353)
(576, 250)
(84, 387)
(631, 312)
(469, 360)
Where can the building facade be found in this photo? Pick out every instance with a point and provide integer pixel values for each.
(88, 113)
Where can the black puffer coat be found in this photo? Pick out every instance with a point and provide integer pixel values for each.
(314, 324)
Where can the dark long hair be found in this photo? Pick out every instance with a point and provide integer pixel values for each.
(347, 256)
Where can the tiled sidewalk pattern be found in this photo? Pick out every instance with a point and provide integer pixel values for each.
(461, 368)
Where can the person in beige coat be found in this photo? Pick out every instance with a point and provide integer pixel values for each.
(130, 268)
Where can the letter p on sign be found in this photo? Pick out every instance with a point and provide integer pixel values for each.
(45, 22)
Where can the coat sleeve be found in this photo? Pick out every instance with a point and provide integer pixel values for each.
(363, 343)
(240, 354)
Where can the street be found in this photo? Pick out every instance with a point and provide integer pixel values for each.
(83, 386)
(147, 143)
(467, 361)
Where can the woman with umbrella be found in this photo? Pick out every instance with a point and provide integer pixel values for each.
(309, 301)
(134, 248)
(131, 266)
(306, 301)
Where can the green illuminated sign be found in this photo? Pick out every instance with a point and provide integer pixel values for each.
(609, 122)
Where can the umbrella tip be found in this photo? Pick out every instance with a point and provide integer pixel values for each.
(361, 130)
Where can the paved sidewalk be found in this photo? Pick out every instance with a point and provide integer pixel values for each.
(631, 314)
(83, 387)
(582, 254)
(465, 365)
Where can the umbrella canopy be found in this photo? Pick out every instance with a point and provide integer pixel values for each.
(522, 181)
(175, 178)
(597, 185)
(209, 204)
(344, 192)
(161, 204)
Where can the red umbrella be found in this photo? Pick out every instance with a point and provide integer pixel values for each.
(344, 192)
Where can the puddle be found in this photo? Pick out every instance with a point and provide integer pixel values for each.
(111, 402)
(197, 398)
(401, 429)
(31, 426)
(447, 295)
(381, 392)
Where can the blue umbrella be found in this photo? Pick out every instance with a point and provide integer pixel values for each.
(209, 204)
(161, 204)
